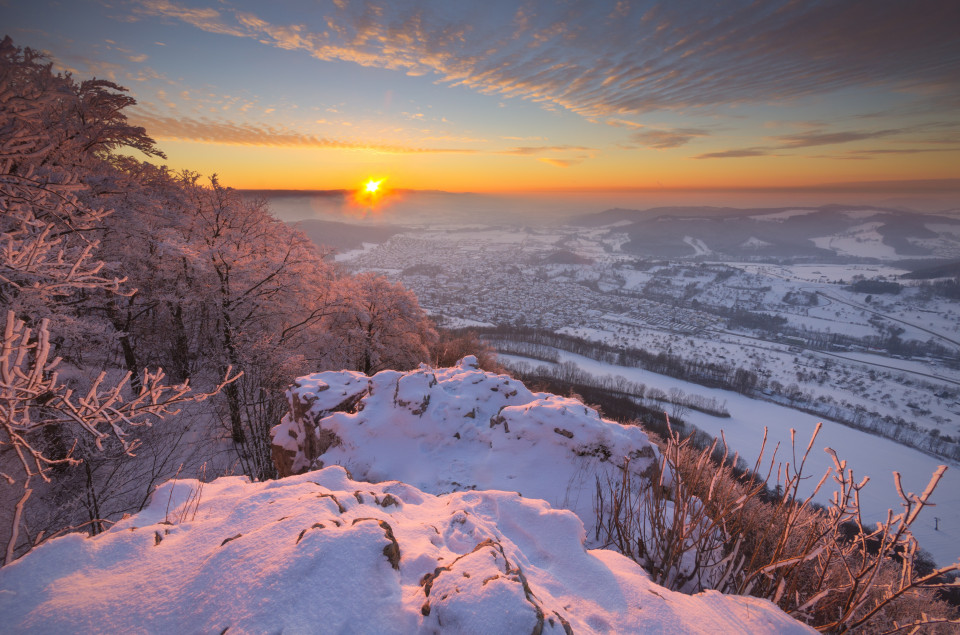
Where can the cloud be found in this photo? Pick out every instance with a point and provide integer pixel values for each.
(229, 133)
(560, 163)
(624, 123)
(207, 131)
(736, 154)
(530, 150)
(883, 151)
(821, 138)
(209, 20)
(664, 139)
(633, 59)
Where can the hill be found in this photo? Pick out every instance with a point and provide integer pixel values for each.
(826, 233)
(327, 551)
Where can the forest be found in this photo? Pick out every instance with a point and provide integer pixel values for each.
(133, 294)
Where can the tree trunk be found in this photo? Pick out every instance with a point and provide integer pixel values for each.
(126, 345)
(180, 347)
(231, 391)
(93, 504)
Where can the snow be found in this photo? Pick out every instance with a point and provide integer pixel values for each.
(921, 367)
(699, 247)
(755, 243)
(462, 323)
(866, 454)
(782, 216)
(449, 429)
(353, 253)
(861, 240)
(327, 551)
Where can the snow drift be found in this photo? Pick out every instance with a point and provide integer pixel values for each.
(454, 429)
(472, 540)
(320, 552)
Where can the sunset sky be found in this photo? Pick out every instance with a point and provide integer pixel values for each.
(498, 96)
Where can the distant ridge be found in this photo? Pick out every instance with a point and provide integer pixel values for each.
(619, 214)
(336, 193)
(344, 236)
(831, 232)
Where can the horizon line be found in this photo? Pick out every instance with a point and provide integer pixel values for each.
(913, 186)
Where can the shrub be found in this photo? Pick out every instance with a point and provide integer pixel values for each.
(697, 525)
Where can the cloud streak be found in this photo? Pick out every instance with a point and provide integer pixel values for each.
(665, 139)
(736, 154)
(242, 134)
(531, 150)
(612, 59)
(209, 131)
(560, 163)
(820, 137)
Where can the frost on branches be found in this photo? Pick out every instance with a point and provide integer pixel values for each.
(117, 265)
(50, 128)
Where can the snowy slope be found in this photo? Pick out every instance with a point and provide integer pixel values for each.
(459, 428)
(455, 548)
(320, 552)
(866, 454)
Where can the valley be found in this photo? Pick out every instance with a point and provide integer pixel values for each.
(836, 336)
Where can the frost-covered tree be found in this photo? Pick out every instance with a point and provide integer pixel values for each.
(51, 131)
(114, 265)
(266, 291)
(382, 326)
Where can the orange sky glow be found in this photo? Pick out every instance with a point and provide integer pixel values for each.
(602, 95)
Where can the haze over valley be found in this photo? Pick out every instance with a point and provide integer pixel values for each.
(841, 313)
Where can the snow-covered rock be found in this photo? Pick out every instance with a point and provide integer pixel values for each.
(453, 429)
(320, 552)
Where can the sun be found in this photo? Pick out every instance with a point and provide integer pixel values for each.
(371, 194)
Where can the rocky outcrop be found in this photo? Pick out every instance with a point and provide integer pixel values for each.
(458, 428)
(320, 552)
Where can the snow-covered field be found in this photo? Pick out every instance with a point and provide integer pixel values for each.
(481, 276)
(866, 454)
(922, 391)
(830, 346)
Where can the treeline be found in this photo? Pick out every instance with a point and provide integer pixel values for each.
(114, 265)
(876, 287)
(949, 289)
(903, 431)
(543, 345)
(678, 401)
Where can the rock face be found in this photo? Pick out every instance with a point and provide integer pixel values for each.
(321, 552)
(453, 429)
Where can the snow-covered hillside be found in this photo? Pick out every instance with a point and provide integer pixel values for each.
(459, 428)
(321, 552)
(324, 551)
